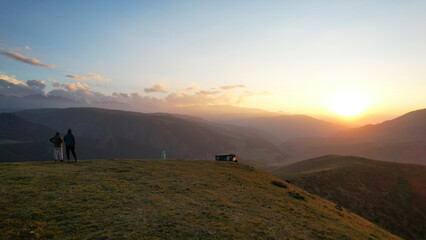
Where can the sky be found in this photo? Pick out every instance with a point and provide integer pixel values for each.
(298, 57)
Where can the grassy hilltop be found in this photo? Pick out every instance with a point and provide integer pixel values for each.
(171, 199)
(391, 195)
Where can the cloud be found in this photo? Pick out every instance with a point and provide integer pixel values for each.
(206, 93)
(156, 88)
(84, 78)
(78, 78)
(227, 87)
(10, 86)
(120, 95)
(11, 79)
(202, 97)
(78, 91)
(72, 86)
(246, 94)
(96, 76)
(137, 100)
(32, 61)
(56, 84)
(36, 83)
(193, 86)
(27, 48)
(210, 97)
(76, 86)
(82, 93)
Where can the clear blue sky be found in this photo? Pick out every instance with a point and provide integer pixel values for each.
(292, 56)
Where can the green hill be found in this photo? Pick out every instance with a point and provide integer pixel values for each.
(171, 199)
(391, 195)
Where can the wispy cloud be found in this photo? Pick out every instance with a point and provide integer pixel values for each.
(193, 86)
(22, 58)
(27, 48)
(228, 87)
(156, 88)
(200, 98)
(78, 78)
(95, 76)
(207, 93)
(247, 94)
(84, 78)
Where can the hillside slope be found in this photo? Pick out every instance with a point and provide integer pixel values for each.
(103, 133)
(285, 127)
(408, 127)
(392, 195)
(402, 139)
(172, 199)
(16, 128)
(21, 140)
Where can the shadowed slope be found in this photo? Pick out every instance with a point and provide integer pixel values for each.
(172, 199)
(122, 134)
(402, 139)
(16, 128)
(408, 127)
(392, 195)
(285, 127)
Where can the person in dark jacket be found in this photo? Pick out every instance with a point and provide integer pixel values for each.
(70, 145)
(57, 146)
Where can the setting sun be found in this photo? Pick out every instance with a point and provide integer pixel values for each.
(348, 104)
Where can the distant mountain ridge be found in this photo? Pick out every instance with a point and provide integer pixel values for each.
(124, 134)
(16, 128)
(408, 127)
(103, 133)
(402, 139)
(392, 195)
(284, 127)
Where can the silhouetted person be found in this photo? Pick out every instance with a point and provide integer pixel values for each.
(57, 147)
(70, 145)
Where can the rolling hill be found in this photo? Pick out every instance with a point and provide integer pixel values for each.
(106, 133)
(286, 127)
(402, 139)
(408, 127)
(16, 128)
(171, 199)
(21, 140)
(103, 133)
(391, 195)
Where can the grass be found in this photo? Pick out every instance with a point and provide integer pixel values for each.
(171, 199)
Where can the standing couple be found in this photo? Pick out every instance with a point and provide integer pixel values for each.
(69, 140)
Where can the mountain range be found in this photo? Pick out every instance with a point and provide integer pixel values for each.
(402, 139)
(104, 133)
(285, 127)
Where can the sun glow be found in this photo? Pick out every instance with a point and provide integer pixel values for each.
(348, 104)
